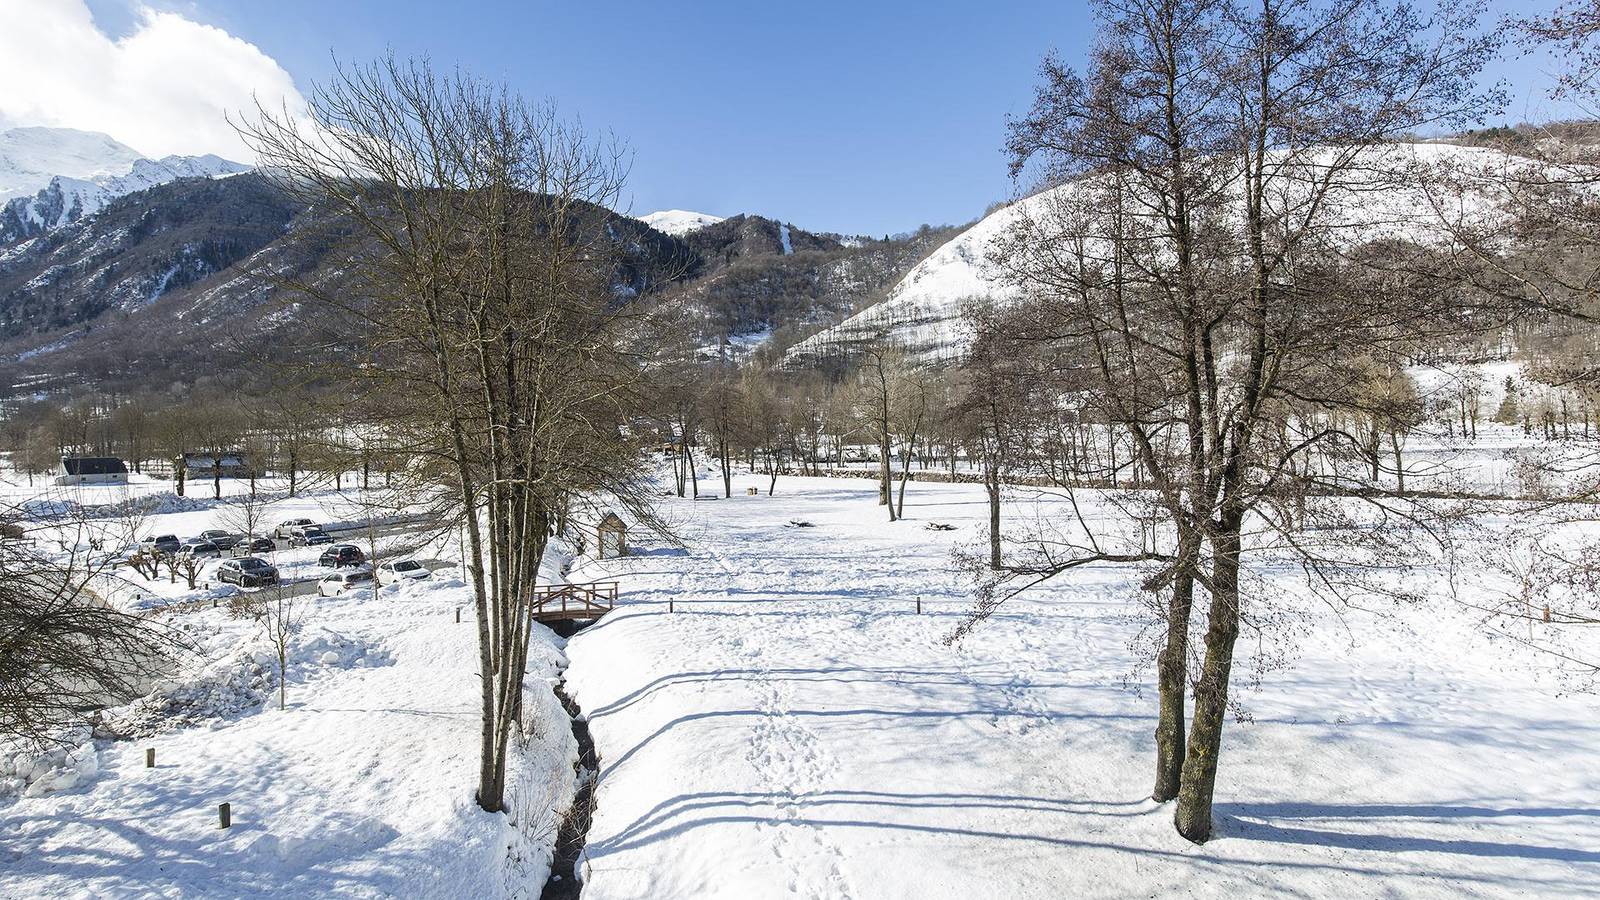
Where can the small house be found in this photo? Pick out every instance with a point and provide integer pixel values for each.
(611, 536)
(201, 466)
(92, 470)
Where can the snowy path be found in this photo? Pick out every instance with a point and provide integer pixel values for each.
(794, 729)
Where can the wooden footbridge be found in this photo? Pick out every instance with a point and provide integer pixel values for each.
(570, 602)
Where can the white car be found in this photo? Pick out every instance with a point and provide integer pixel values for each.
(339, 582)
(403, 570)
(289, 528)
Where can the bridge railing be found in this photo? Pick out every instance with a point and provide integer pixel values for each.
(566, 601)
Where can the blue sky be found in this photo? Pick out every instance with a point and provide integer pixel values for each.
(867, 117)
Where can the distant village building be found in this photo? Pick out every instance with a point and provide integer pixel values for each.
(612, 537)
(201, 466)
(92, 470)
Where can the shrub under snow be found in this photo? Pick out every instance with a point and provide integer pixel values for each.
(239, 681)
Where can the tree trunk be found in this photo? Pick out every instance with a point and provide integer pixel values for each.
(991, 483)
(1193, 817)
(905, 475)
(885, 478)
(1399, 463)
(1172, 677)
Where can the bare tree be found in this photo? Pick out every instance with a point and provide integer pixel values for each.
(281, 617)
(483, 264)
(1194, 269)
(876, 381)
(247, 515)
(186, 565)
(64, 651)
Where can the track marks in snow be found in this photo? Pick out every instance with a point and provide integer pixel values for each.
(792, 764)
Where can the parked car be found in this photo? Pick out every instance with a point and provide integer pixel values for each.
(251, 548)
(225, 540)
(247, 572)
(162, 543)
(310, 536)
(403, 570)
(342, 555)
(339, 582)
(287, 528)
(200, 548)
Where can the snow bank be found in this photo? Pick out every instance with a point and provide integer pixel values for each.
(241, 680)
(541, 781)
(34, 772)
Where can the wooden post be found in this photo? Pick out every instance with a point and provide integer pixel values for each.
(225, 814)
(458, 615)
(919, 604)
(669, 604)
(150, 758)
(1547, 613)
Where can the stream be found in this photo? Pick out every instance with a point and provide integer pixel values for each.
(564, 883)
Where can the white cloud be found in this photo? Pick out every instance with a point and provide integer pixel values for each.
(164, 88)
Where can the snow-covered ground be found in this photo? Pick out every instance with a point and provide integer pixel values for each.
(790, 726)
(774, 718)
(363, 786)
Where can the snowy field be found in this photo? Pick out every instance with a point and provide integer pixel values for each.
(791, 727)
(362, 787)
(775, 719)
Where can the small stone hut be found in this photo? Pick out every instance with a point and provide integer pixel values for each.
(611, 536)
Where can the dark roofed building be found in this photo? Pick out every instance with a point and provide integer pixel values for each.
(92, 470)
(200, 466)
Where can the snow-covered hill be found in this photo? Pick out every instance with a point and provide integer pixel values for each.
(679, 221)
(50, 177)
(923, 311)
(66, 199)
(30, 157)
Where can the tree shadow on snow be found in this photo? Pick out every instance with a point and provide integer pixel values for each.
(1263, 822)
(680, 815)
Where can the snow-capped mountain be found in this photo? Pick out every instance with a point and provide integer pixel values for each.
(93, 171)
(30, 157)
(66, 199)
(677, 222)
(923, 311)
